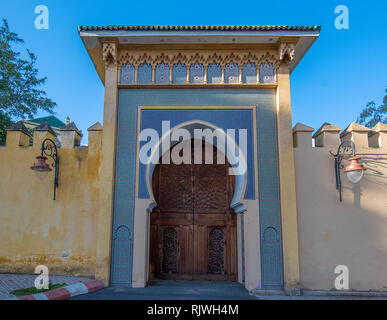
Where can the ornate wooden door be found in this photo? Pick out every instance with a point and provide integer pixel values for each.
(193, 229)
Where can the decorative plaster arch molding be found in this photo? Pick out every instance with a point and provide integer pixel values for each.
(240, 179)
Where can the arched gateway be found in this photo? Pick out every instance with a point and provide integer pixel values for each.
(226, 77)
(193, 228)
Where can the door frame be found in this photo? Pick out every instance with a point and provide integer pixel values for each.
(199, 220)
(240, 184)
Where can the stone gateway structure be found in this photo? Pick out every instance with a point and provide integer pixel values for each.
(197, 77)
(248, 199)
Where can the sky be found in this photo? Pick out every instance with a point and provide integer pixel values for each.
(340, 74)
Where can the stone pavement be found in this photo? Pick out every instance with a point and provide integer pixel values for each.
(165, 290)
(316, 297)
(11, 282)
(173, 290)
(202, 290)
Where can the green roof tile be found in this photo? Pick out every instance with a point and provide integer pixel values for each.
(51, 120)
(200, 28)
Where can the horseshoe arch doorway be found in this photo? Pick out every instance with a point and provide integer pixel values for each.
(193, 230)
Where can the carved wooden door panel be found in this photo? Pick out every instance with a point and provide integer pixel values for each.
(171, 241)
(193, 229)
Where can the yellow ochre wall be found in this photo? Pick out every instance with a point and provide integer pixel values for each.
(352, 232)
(35, 229)
(62, 234)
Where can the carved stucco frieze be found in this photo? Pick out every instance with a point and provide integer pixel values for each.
(137, 58)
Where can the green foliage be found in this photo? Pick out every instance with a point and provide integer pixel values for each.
(33, 290)
(5, 122)
(373, 114)
(20, 96)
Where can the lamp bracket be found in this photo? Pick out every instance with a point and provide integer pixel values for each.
(346, 149)
(50, 150)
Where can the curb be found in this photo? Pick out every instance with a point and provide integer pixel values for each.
(69, 291)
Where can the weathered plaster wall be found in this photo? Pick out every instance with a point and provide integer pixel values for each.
(351, 232)
(35, 229)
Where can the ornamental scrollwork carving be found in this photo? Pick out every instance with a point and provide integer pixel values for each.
(170, 250)
(286, 52)
(109, 53)
(217, 243)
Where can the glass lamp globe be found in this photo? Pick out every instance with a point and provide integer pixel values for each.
(354, 170)
(355, 175)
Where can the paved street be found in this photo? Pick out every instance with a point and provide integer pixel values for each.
(11, 282)
(318, 297)
(164, 290)
(199, 290)
(173, 290)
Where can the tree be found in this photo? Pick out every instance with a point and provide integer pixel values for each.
(20, 96)
(372, 114)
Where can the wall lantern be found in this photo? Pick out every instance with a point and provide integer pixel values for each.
(354, 170)
(48, 150)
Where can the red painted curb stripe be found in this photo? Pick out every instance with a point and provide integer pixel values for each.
(29, 297)
(94, 285)
(63, 293)
(57, 294)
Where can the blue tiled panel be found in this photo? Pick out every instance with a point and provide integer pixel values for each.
(121, 273)
(124, 194)
(249, 73)
(269, 200)
(162, 73)
(127, 73)
(179, 73)
(270, 256)
(145, 73)
(266, 73)
(196, 73)
(214, 73)
(222, 118)
(231, 73)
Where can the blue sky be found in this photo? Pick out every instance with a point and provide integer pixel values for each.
(343, 70)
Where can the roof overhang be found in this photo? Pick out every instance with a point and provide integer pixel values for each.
(125, 36)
